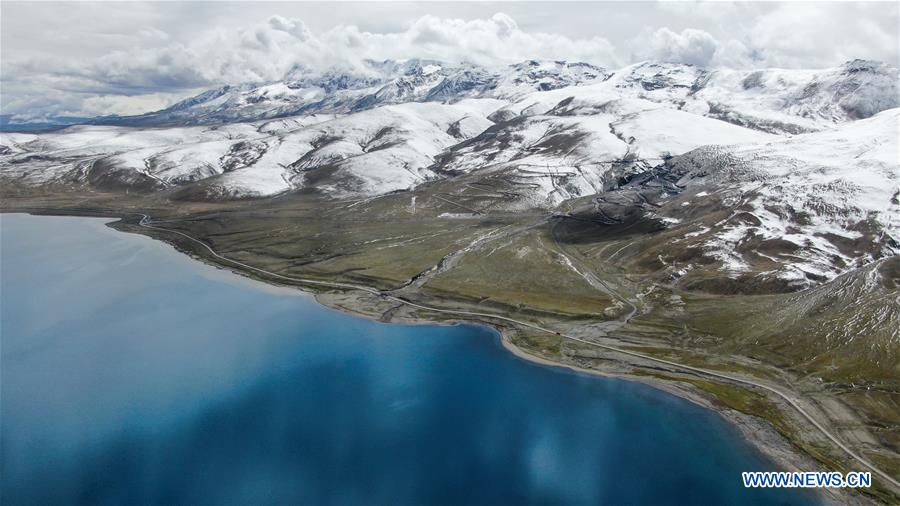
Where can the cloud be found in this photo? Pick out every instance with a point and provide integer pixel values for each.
(790, 35)
(69, 68)
(100, 105)
(490, 42)
(695, 47)
(691, 46)
(266, 51)
(810, 35)
(41, 103)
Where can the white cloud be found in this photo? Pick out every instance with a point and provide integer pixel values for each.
(41, 102)
(811, 35)
(790, 35)
(104, 51)
(492, 41)
(692, 46)
(122, 105)
(266, 51)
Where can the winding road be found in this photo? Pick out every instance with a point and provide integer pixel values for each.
(146, 222)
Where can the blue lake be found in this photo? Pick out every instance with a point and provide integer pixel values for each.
(131, 374)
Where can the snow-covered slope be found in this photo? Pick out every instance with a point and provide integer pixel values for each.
(799, 210)
(367, 153)
(305, 91)
(571, 118)
(571, 150)
(771, 100)
(795, 101)
(789, 174)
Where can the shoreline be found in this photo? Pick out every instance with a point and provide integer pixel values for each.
(757, 431)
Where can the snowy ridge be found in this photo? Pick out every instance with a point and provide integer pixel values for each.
(805, 160)
(804, 209)
(368, 153)
(304, 91)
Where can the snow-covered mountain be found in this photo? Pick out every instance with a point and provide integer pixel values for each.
(305, 91)
(790, 211)
(793, 173)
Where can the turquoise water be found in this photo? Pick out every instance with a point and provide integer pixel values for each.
(132, 374)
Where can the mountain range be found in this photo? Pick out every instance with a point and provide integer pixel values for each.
(788, 177)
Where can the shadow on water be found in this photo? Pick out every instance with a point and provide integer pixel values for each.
(134, 375)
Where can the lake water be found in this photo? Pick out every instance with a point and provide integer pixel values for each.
(132, 374)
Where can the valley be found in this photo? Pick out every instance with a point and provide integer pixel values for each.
(739, 222)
